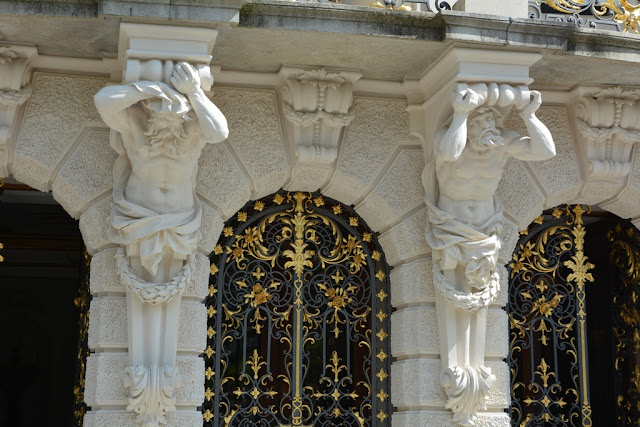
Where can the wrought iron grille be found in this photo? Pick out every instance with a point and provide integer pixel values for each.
(575, 350)
(625, 257)
(616, 15)
(298, 318)
(548, 354)
(82, 303)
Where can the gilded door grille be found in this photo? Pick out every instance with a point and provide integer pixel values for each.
(298, 318)
(547, 314)
(625, 257)
(82, 304)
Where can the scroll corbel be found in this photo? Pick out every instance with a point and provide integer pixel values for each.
(464, 228)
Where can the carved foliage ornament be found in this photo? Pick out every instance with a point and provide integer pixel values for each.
(609, 121)
(317, 106)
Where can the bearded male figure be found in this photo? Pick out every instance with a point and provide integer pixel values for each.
(464, 226)
(160, 131)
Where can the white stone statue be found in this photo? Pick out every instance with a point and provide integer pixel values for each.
(158, 131)
(464, 225)
(161, 132)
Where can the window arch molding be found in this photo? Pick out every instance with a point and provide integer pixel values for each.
(298, 313)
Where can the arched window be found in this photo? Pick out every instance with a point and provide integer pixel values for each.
(574, 311)
(298, 318)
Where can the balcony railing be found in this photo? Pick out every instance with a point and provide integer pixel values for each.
(616, 15)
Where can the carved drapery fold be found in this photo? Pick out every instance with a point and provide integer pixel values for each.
(316, 104)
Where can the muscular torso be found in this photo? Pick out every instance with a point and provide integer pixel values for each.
(161, 182)
(467, 184)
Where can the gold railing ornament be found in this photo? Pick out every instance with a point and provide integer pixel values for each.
(623, 14)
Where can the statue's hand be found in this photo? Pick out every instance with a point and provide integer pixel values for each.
(467, 100)
(185, 79)
(533, 106)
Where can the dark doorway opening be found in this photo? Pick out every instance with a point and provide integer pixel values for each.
(40, 278)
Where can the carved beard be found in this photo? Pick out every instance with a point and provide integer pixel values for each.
(489, 138)
(165, 135)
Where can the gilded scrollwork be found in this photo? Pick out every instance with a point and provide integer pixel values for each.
(625, 256)
(547, 316)
(292, 337)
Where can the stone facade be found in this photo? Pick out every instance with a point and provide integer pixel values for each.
(399, 76)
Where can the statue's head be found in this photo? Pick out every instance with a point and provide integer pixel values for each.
(484, 128)
(165, 132)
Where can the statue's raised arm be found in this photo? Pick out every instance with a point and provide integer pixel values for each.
(539, 144)
(213, 125)
(452, 143)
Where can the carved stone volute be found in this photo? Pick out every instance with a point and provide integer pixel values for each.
(609, 122)
(317, 106)
(15, 72)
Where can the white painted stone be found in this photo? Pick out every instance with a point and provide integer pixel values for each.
(416, 383)
(192, 332)
(503, 295)
(500, 392)
(108, 323)
(595, 192)
(399, 191)
(211, 227)
(519, 193)
(255, 134)
(412, 283)
(59, 109)
(307, 178)
(560, 175)
(627, 204)
(378, 128)
(316, 104)
(93, 226)
(104, 277)
(221, 180)
(198, 287)
(510, 237)
(192, 372)
(112, 418)
(414, 332)
(422, 418)
(497, 340)
(406, 240)
(445, 419)
(104, 384)
(87, 174)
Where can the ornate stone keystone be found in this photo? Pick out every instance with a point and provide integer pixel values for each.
(15, 73)
(609, 121)
(316, 104)
(160, 120)
(465, 144)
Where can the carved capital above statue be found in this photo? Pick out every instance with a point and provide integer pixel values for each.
(15, 73)
(317, 106)
(464, 228)
(609, 121)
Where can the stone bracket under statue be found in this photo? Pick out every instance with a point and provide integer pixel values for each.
(464, 166)
(160, 120)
